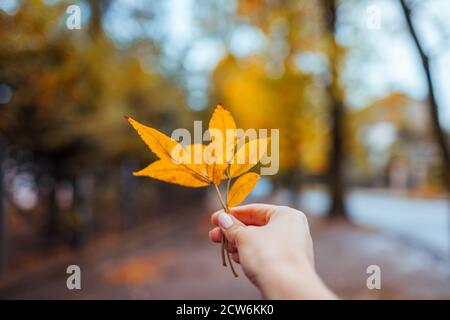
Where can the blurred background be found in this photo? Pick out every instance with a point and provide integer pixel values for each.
(360, 91)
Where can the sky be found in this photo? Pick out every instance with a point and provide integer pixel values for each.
(392, 62)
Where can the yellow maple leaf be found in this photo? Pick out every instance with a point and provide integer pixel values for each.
(242, 188)
(248, 156)
(160, 144)
(174, 158)
(169, 172)
(223, 135)
(193, 159)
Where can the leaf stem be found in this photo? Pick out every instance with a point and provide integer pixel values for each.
(220, 198)
(231, 265)
(224, 240)
(228, 183)
(222, 250)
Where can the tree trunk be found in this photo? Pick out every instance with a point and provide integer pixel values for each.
(95, 23)
(129, 187)
(336, 180)
(336, 172)
(82, 207)
(295, 185)
(3, 244)
(52, 227)
(432, 103)
(98, 10)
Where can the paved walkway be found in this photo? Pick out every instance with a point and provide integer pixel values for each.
(161, 262)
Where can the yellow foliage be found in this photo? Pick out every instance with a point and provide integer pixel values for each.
(190, 166)
(248, 156)
(223, 122)
(241, 188)
(160, 144)
(167, 171)
(291, 104)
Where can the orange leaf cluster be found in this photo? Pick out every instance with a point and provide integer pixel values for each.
(199, 165)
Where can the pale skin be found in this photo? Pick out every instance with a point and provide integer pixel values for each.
(274, 247)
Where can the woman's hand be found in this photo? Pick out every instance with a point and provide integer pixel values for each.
(274, 247)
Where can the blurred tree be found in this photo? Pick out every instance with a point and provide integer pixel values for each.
(268, 89)
(284, 103)
(71, 89)
(3, 244)
(98, 9)
(337, 183)
(431, 98)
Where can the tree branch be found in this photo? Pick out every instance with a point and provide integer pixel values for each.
(432, 102)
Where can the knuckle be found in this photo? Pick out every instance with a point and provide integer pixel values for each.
(291, 212)
(298, 216)
(241, 236)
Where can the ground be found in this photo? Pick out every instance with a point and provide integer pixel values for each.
(176, 261)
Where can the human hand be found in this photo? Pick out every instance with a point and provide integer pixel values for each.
(274, 247)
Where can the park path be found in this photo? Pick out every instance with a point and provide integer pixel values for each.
(155, 261)
(176, 261)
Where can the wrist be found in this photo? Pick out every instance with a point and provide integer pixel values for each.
(293, 280)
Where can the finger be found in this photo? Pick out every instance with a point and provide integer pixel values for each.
(215, 235)
(231, 227)
(235, 257)
(215, 217)
(256, 214)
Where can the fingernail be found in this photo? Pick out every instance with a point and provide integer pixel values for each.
(225, 220)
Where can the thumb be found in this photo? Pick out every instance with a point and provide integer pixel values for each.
(230, 226)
